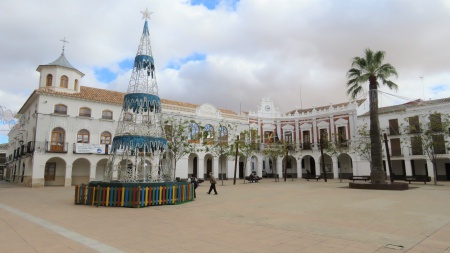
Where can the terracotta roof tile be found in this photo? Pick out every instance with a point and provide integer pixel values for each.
(114, 97)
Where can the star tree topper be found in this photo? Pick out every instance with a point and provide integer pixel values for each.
(146, 14)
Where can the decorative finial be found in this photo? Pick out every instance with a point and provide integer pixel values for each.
(146, 14)
(64, 41)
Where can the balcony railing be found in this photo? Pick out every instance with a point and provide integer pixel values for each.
(306, 146)
(56, 147)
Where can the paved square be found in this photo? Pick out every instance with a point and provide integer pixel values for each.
(292, 216)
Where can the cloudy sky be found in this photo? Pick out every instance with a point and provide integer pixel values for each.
(230, 53)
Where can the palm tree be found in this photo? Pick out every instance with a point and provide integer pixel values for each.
(371, 68)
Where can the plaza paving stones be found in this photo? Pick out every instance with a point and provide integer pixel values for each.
(292, 216)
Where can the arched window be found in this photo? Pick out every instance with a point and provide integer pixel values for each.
(128, 117)
(83, 136)
(57, 140)
(208, 134)
(64, 82)
(49, 80)
(85, 112)
(60, 109)
(222, 134)
(106, 114)
(193, 133)
(105, 138)
(75, 87)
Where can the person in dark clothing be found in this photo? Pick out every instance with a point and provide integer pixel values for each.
(194, 181)
(213, 182)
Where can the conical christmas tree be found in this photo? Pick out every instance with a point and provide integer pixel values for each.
(139, 141)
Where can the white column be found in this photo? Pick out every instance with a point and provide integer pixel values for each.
(318, 167)
(248, 167)
(430, 169)
(92, 172)
(216, 167)
(335, 167)
(314, 133)
(37, 179)
(279, 130)
(298, 160)
(259, 165)
(68, 177)
(280, 167)
(408, 168)
(351, 125)
(297, 133)
(259, 131)
(332, 130)
(200, 167)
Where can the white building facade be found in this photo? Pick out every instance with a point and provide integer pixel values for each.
(64, 132)
(408, 158)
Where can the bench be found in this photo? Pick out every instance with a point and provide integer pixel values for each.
(418, 178)
(253, 179)
(365, 178)
(309, 176)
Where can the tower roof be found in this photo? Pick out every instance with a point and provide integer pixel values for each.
(60, 62)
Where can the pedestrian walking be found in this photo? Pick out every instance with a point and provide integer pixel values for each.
(213, 182)
(194, 181)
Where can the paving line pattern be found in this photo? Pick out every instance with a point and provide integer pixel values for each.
(74, 236)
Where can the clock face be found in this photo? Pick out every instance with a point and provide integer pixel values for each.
(267, 108)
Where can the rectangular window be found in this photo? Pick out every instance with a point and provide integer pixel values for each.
(395, 147)
(393, 127)
(435, 122)
(416, 145)
(254, 135)
(50, 171)
(342, 134)
(306, 140)
(438, 144)
(414, 126)
(324, 134)
(288, 137)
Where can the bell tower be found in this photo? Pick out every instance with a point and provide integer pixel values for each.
(60, 75)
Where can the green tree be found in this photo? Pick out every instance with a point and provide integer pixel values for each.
(361, 144)
(248, 146)
(336, 148)
(178, 142)
(273, 150)
(277, 149)
(371, 68)
(221, 147)
(428, 139)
